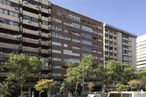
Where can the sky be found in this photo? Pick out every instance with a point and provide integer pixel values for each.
(129, 15)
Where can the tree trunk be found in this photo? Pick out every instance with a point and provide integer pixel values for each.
(76, 88)
(70, 94)
(48, 93)
(21, 94)
(40, 94)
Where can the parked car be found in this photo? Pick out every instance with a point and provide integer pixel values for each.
(94, 94)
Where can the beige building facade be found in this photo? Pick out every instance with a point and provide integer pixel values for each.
(119, 45)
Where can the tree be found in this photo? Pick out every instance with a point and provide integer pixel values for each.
(73, 77)
(22, 67)
(122, 87)
(6, 88)
(136, 84)
(45, 85)
(76, 74)
(114, 72)
(90, 86)
(128, 74)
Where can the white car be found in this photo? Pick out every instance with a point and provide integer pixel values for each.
(94, 94)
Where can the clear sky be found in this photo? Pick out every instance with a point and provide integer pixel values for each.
(129, 15)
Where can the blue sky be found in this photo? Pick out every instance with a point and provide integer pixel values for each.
(129, 15)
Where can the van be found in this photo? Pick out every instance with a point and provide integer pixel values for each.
(127, 94)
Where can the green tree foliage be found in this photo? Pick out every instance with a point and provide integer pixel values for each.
(75, 74)
(136, 84)
(114, 71)
(6, 88)
(22, 67)
(45, 85)
(122, 87)
(119, 74)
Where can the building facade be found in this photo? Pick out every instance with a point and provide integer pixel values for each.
(58, 35)
(141, 52)
(73, 37)
(119, 45)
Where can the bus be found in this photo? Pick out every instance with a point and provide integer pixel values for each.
(127, 94)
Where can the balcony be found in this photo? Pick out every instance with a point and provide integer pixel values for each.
(30, 49)
(45, 27)
(46, 43)
(45, 51)
(32, 32)
(7, 36)
(29, 40)
(29, 5)
(45, 10)
(10, 27)
(6, 45)
(46, 35)
(125, 44)
(8, 17)
(8, 7)
(28, 22)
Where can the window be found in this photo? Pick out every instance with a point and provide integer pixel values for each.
(76, 33)
(9, 22)
(5, 12)
(86, 49)
(56, 51)
(126, 58)
(72, 17)
(65, 45)
(74, 47)
(75, 25)
(57, 20)
(1, 10)
(57, 28)
(56, 59)
(30, 18)
(88, 29)
(74, 60)
(56, 35)
(66, 30)
(76, 40)
(67, 24)
(87, 42)
(69, 52)
(86, 36)
(44, 6)
(56, 43)
(45, 22)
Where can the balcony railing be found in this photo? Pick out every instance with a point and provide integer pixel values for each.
(29, 40)
(30, 49)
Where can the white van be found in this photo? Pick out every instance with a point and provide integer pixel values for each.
(127, 94)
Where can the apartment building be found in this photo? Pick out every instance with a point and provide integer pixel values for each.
(25, 27)
(73, 37)
(58, 35)
(119, 45)
(141, 52)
